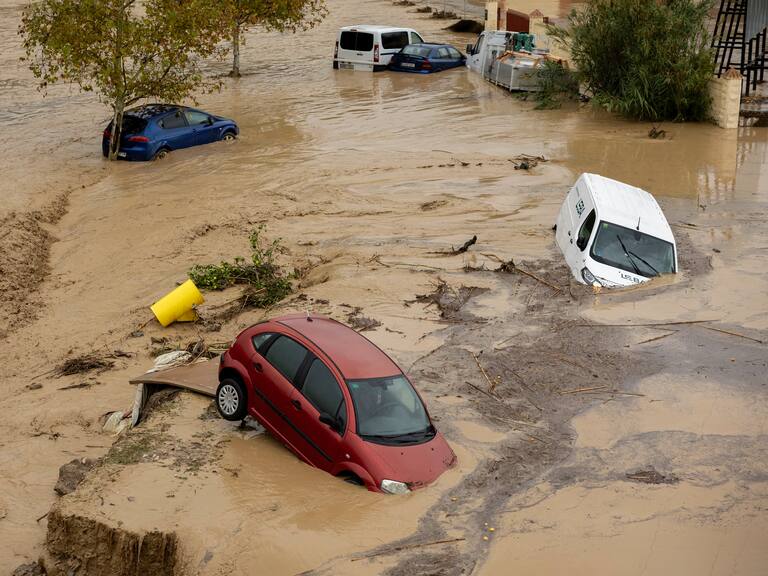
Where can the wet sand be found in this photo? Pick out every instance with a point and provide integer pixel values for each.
(343, 168)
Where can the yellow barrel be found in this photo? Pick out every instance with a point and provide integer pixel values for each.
(177, 303)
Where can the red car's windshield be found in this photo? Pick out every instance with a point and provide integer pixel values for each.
(389, 408)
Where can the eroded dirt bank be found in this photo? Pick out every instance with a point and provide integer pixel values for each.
(368, 180)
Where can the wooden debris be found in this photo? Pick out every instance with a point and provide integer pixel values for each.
(579, 390)
(464, 247)
(407, 547)
(732, 333)
(510, 266)
(491, 385)
(482, 391)
(657, 337)
(74, 386)
(651, 324)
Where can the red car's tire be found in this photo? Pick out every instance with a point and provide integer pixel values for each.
(231, 400)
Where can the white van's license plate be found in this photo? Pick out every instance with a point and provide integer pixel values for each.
(409, 65)
(346, 65)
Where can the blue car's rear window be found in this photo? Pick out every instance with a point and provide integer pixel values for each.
(133, 124)
(416, 50)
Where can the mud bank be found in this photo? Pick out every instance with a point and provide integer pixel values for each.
(85, 546)
(24, 254)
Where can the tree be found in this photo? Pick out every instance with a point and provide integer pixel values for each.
(123, 50)
(280, 15)
(647, 59)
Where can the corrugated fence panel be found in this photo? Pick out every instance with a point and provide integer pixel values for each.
(757, 18)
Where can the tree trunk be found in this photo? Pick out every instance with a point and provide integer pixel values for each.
(117, 129)
(235, 73)
(118, 106)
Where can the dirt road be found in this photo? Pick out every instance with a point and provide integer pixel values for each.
(365, 178)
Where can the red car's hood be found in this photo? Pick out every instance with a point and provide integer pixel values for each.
(418, 464)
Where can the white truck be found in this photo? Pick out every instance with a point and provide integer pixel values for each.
(613, 234)
(507, 59)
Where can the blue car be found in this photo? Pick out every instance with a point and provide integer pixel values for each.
(150, 132)
(426, 58)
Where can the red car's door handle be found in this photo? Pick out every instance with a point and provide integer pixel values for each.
(296, 404)
(258, 367)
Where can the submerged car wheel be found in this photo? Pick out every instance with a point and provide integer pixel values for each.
(161, 154)
(230, 400)
(228, 137)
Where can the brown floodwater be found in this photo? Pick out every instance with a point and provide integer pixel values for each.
(340, 165)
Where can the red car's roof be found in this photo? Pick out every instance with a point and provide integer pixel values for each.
(354, 355)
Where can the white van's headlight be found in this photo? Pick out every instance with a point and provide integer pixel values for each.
(589, 278)
(394, 487)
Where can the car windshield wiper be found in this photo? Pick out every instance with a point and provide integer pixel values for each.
(644, 261)
(628, 255)
(428, 431)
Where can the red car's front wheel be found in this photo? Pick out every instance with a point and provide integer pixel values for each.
(230, 400)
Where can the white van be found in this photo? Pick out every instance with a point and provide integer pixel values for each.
(370, 47)
(613, 234)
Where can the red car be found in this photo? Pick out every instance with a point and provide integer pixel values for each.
(335, 399)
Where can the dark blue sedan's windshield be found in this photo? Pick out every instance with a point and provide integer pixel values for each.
(633, 251)
(388, 407)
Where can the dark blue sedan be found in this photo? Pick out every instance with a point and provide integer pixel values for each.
(150, 132)
(426, 58)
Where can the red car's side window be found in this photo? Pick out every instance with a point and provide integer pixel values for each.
(287, 356)
(323, 392)
(260, 340)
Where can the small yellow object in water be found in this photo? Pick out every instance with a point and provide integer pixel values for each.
(485, 537)
(491, 529)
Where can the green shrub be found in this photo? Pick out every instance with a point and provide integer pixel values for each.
(556, 84)
(268, 283)
(647, 59)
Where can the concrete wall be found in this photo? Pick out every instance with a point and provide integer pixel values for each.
(726, 99)
(491, 15)
(539, 28)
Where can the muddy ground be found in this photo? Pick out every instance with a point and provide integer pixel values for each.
(587, 435)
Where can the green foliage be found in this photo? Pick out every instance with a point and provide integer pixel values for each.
(646, 59)
(123, 50)
(268, 283)
(556, 84)
(280, 15)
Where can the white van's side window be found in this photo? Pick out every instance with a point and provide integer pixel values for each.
(586, 231)
(394, 40)
(358, 41)
(416, 39)
(478, 46)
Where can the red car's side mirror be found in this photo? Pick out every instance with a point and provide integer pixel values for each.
(331, 422)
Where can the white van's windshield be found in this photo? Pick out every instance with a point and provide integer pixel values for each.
(632, 251)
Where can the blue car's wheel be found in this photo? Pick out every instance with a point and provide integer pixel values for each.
(161, 154)
(228, 136)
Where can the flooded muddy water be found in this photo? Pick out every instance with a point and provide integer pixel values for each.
(370, 180)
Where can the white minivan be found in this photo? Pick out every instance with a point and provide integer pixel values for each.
(613, 234)
(370, 48)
